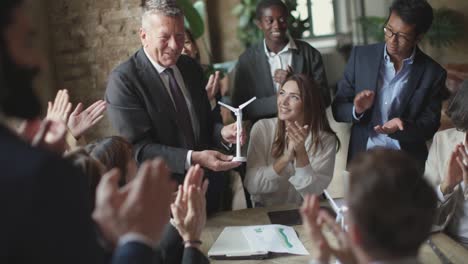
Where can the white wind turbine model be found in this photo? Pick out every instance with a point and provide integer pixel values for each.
(238, 113)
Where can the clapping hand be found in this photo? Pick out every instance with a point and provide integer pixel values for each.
(314, 220)
(390, 127)
(297, 135)
(229, 134)
(142, 206)
(48, 134)
(456, 169)
(363, 101)
(309, 213)
(462, 160)
(80, 121)
(281, 75)
(60, 109)
(189, 208)
(212, 87)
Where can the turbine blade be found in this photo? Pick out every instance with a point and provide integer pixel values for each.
(246, 103)
(228, 107)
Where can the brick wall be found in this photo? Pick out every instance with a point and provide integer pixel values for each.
(88, 39)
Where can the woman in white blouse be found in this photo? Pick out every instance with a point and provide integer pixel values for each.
(294, 154)
(447, 169)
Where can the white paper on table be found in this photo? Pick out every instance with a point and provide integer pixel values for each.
(274, 238)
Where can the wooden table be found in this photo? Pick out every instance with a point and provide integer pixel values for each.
(258, 216)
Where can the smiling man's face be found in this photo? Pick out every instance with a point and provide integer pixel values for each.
(274, 24)
(164, 39)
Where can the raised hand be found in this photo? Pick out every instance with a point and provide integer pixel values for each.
(309, 213)
(229, 134)
(213, 160)
(194, 176)
(212, 87)
(390, 127)
(363, 101)
(281, 75)
(462, 160)
(142, 206)
(189, 208)
(453, 173)
(51, 135)
(60, 109)
(314, 219)
(80, 121)
(297, 135)
(343, 252)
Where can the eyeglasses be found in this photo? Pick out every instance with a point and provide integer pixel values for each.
(389, 33)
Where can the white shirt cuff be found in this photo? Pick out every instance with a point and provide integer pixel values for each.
(188, 160)
(357, 117)
(316, 261)
(441, 196)
(464, 190)
(213, 103)
(270, 173)
(136, 237)
(226, 145)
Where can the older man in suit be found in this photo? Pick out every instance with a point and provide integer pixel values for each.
(157, 100)
(264, 66)
(392, 91)
(46, 216)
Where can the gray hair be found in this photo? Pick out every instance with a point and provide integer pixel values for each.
(164, 7)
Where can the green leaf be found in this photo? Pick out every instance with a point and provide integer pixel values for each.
(237, 10)
(447, 27)
(193, 18)
(200, 7)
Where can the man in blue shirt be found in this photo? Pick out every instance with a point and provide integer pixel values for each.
(392, 91)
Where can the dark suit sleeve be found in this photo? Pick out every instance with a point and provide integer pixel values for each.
(426, 124)
(129, 117)
(319, 75)
(171, 250)
(134, 252)
(244, 89)
(194, 256)
(60, 228)
(342, 106)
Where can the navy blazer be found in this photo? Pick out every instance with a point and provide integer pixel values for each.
(420, 107)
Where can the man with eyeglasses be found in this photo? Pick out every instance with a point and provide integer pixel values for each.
(392, 91)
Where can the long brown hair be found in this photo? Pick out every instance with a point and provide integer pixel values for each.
(313, 109)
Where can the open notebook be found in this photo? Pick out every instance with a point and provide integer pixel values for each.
(256, 242)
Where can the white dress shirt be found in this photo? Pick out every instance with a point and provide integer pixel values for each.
(442, 146)
(266, 187)
(280, 60)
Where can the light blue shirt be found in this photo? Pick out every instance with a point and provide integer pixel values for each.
(387, 98)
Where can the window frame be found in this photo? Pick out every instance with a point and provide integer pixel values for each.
(311, 22)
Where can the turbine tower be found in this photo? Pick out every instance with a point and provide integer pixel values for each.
(238, 113)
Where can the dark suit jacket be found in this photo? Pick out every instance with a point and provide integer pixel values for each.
(45, 210)
(420, 108)
(253, 78)
(141, 110)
